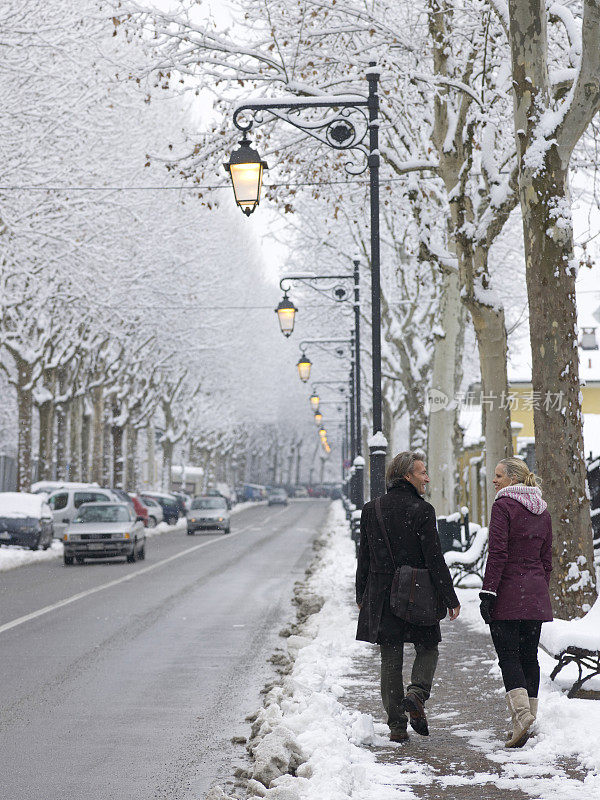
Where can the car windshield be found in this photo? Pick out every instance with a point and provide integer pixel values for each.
(103, 513)
(209, 502)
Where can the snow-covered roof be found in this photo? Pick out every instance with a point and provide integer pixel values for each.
(23, 504)
(50, 486)
(190, 472)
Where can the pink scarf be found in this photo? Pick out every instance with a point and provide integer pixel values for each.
(528, 496)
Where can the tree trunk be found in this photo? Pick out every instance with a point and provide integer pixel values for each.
(86, 430)
(25, 409)
(150, 459)
(559, 449)
(117, 449)
(75, 439)
(167, 449)
(97, 434)
(551, 274)
(443, 409)
(131, 459)
(298, 462)
(490, 332)
(107, 475)
(46, 422)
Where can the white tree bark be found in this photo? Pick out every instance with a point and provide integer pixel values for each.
(443, 409)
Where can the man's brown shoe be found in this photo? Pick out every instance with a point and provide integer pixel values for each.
(416, 714)
(399, 735)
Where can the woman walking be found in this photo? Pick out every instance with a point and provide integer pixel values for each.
(514, 597)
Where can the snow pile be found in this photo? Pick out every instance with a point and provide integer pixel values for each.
(306, 745)
(12, 556)
(584, 632)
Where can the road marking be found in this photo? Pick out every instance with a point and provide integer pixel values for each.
(129, 577)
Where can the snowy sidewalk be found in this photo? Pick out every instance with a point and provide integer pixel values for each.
(322, 735)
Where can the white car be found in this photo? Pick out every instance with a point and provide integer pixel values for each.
(65, 503)
(155, 512)
(104, 530)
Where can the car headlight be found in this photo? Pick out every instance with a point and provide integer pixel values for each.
(221, 519)
(126, 536)
(66, 537)
(192, 519)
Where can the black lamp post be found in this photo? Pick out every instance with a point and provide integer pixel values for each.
(346, 129)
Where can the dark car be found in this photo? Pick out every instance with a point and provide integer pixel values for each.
(25, 520)
(168, 503)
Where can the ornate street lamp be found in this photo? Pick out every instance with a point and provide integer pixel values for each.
(322, 433)
(286, 314)
(318, 417)
(304, 364)
(245, 168)
(314, 401)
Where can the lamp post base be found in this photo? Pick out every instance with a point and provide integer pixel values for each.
(377, 453)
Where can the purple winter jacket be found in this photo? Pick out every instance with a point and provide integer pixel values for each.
(520, 555)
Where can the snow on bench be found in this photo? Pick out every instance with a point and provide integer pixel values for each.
(574, 642)
(468, 563)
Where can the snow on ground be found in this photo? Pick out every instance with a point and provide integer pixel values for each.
(12, 556)
(307, 745)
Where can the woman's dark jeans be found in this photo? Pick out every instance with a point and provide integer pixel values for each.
(392, 684)
(516, 642)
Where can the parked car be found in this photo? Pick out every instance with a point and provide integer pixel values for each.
(277, 497)
(183, 502)
(300, 491)
(155, 512)
(65, 504)
(168, 503)
(141, 510)
(206, 513)
(104, 530)
(25, 520)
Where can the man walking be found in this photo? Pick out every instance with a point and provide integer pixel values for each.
(410, 525)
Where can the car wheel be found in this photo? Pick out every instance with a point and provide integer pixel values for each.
(227, 530)
(142, 553)
(79, 559)
(173, 520)
(68, 560)
(152, 522)
(132, 557)
(189, 532)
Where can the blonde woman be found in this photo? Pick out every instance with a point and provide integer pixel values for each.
(514, 597)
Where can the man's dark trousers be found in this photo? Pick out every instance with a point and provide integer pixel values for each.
(392, 684)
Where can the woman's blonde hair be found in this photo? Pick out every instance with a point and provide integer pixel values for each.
(517, 470)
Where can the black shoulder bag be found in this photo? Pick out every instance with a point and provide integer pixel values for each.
(413, 597)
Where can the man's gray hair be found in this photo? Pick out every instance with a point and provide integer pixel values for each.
(401, 465)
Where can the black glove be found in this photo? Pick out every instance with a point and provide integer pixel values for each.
(486, 606)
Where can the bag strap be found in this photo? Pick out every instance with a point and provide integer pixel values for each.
(383, 530)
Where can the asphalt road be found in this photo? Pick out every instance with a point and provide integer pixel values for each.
(131, 689)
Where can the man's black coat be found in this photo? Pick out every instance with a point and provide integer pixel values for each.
(411, 528)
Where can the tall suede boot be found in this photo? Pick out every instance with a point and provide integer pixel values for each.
(522, 718)
(533, 706)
